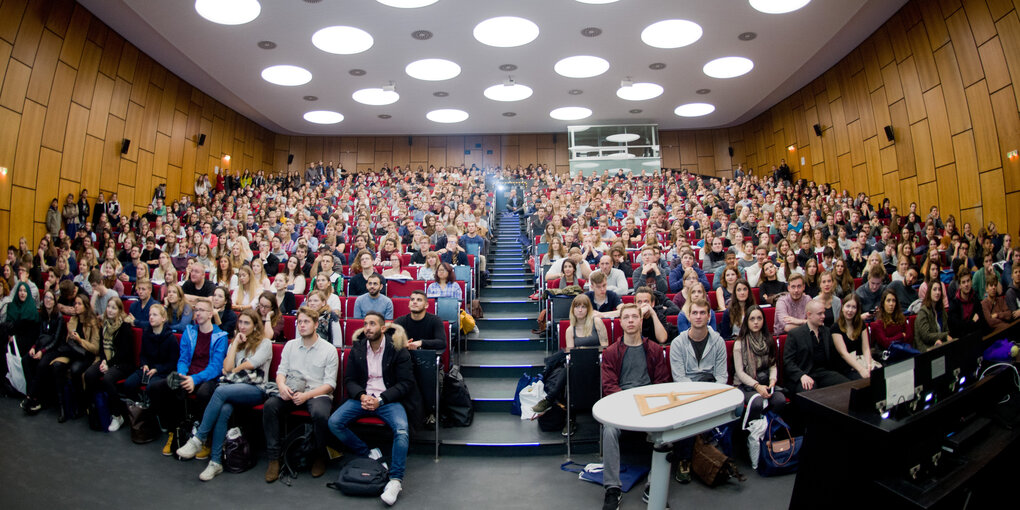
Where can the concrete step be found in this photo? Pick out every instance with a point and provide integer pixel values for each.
(518, 343)
(501, 363)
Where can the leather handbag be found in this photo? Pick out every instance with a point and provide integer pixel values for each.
(712, 465)
(780, 450)
(143, 423)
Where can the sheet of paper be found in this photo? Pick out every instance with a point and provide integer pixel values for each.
(899, 383)
(938, 367)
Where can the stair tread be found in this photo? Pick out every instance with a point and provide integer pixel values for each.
(501, 429)
(492, 314)
(503, 358)
(491, 388)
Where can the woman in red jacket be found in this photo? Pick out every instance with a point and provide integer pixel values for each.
(890, 325)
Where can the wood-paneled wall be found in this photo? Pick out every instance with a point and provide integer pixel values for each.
(72, 91)
(940, 73)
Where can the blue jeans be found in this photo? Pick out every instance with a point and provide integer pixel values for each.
(394, 416)
(218, 411)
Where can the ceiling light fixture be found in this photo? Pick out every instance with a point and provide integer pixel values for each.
(778, 6)
(432, 69)
(377, 96)
(508, 91)
(671, 33)
(407, 4)
(728, 67)
(597, 2)
(622, 137)
(694, 109)
(447, 115)
(570, 113)
(638, 91)
(228, 12)
(286, 75)
(581, 66)
(506, 31)
(342, 40)
(323, 117)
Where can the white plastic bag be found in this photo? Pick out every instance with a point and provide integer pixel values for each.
(15, 372)
(755, 431)
(531, 395)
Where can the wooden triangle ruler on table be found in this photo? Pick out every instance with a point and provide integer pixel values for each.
(674, 399)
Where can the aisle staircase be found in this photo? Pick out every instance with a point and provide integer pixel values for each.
(503, 349)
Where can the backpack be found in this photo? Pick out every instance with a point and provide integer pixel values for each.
(237, 455)
(455, 408)
(361, 476)
(298, 449)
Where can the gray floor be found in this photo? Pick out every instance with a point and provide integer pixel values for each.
(49, 465)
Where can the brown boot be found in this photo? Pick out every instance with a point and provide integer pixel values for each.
(273, 471)
(319, 467)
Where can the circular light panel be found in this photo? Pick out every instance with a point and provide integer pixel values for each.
(375, 96)
(228, 12)
(342, 40)
(501, 92)
(286, 75)
(407, 4)
(570, 113)
(506, 31)
(639, 91)
(323, 117)
(432, 69)
(447, 115)
(694, 109)
(581, 66)
(728, 67)
(623, 137)
(778, 6)
(671, 33)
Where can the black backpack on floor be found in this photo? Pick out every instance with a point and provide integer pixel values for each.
(298, 450)
(455, 408)
(361, 477)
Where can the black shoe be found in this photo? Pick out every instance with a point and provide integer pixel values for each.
(613, 497)
(570, 429)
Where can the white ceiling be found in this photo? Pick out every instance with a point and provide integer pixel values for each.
(789, 51)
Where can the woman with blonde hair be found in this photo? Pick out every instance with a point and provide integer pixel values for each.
(694, 293)
(248, 290)
(178, 308)
(165, 272)
(556, 251)
(116, 360)
(585, 329)
(321, 284)
(428, 271)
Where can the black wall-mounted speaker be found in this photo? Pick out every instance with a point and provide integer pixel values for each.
(889, 134)
(290, 158)
(201, 139)
(818, 130)
(409, 140)
(554, 138)
(731, 152)
(124, 146)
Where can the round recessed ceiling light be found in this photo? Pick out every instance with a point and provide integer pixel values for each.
(570, 113)
(728, 67)
(778, 6)
(384, 116)
(581, 66)
(509, 114)
(407, 4)
(323, 117)
(639, 91)
(622, 137)
(636, 111)
(506, 31)
(597, 2)
(694, 109)
(267, 45)
(228, 12)
(432, 69)
(447, 115)
(375, 96)
(342, 40)
(311, 98)
(505, 92)
(671, 33)
(286, 75)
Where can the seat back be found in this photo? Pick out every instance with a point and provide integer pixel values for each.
(562, 327)
(584, 378)
(350, 326)
(770, 317)
(448, 309)
(289, 326)
(398, 288)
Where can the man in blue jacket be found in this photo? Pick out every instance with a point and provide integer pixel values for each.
(676, 276)
(203, 347)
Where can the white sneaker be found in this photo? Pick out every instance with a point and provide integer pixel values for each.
(210, 471)
(190, 449)
(115, 423)
(375, 454)
(392, 490)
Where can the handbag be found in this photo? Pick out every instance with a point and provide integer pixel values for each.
(467, 322)
(98, 413)
(237, 454)
(15, 370)
(712, 465)
(630, 474)
(523, 382)
(143, 423)
(778, 456)
(530, 396)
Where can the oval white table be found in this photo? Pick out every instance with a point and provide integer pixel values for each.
(665, 427)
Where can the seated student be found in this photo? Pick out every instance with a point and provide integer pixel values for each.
(994, 306)
(203, 346)
(676, 281)
(453, 254)
(871, 292)
(306, 379)
(733, 316)
(603, 300)
(115, 362)
(248, 290)
(890, 325)
(791, 309)
(284, 298)
(445, 285)
(197, 285)
(361, 270)
(379, 377)
(769, 285)
(222, 306)
(724, 288)
(245, 368)
(140, 308)
(966, 315)
(829, 300)
(373, 300)
(271, 315)
(931, 328)
(328, 326)
(101, 295)
(809, 358)
(987, 274)
(904, 289)
(695, 291)
(159, 353)
(181, 313)
(321, 284)
(635, 361)
(76, 354)
(755, 363)
(850, 338)
(655, 308)
(616, 281)
(1013, 293)
(424, 330)
(697, 354)
(427, 272)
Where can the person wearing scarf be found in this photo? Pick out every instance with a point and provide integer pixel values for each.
(755, 363)
(20, 325)
(116, 360)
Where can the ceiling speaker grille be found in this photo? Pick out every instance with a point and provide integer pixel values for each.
(357, 72)
(421, 35)
(440, 94)
(509, 114)
(591, 31)
(267, 45)
(507, 67)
